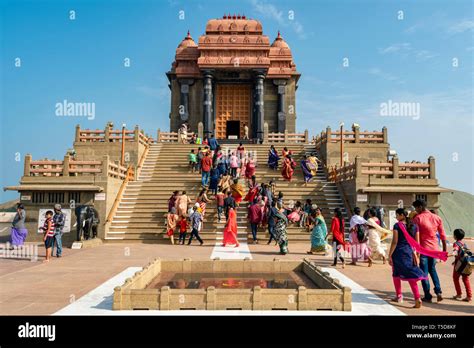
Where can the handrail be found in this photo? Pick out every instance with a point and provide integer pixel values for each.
(140, 162)
(128, 177)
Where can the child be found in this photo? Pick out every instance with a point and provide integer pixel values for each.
(183, 227)
(220, 203)
(295, 215)
(306, 212)
(458, 245)
(192, 161)
(171, 221)
(311, 220)
(200, 156)
(48, 234)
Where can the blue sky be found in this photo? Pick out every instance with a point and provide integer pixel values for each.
(81, 60)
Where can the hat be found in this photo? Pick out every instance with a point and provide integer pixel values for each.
(197, 205)
(57, 206)
(314, 206)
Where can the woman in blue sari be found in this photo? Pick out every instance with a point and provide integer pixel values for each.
(306, 170)
(273, 158)
(319, 233)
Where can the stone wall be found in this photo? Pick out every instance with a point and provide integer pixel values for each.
(96, 150)
(109, 186)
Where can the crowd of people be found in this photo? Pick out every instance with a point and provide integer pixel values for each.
(229, 178)
(413, 252)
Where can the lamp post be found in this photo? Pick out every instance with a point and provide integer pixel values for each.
(342, 143)
(122, 160)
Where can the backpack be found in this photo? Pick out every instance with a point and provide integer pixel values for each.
(361, 232)
(465, 260)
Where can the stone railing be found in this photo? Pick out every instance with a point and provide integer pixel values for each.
(171, 137)
(287, 137)
(129, 176)
(115, 170)
(386, 170)
(111, 135)
(355, 136)
(71, 167)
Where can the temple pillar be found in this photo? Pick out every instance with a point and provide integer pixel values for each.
(183, 108)
(259, 104)
(208, 119)
(281, 84)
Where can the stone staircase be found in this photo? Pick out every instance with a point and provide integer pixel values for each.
(141, 213)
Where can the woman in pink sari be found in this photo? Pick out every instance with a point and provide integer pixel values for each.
(181, 204)
(404, 256)
(230, 230)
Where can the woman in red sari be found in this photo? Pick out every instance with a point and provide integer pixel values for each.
(288, 168)
(253, 190)
(250, 167)
(230, 230)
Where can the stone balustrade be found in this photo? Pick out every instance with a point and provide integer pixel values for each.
(71, 167)
(354, 136)
(384, 170)
(111, 135)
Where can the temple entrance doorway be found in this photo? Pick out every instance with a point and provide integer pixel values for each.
(233, 130)
(233, 108)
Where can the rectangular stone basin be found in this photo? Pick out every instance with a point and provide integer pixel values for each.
(231, 285)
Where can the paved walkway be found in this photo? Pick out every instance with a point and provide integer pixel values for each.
(36, 288)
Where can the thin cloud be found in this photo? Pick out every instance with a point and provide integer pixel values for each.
(385, 75)
(406, 49)
(461, 27)
(270, 11)
(395, 48)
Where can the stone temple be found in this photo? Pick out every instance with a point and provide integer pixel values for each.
(232, 77)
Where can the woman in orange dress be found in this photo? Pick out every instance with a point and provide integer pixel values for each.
(288, 168)
(230, 230)
(237, 191)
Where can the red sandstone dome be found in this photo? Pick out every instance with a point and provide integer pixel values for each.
(187, 42)
(234, 24)
(279, 42)
(234, 42)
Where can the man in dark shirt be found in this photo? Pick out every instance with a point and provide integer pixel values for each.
(213, 143)
(229, 202)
